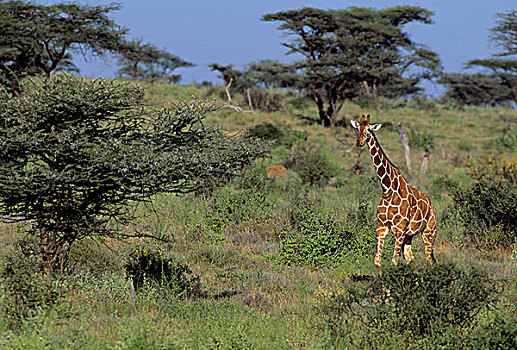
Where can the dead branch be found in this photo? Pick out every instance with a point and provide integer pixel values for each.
(228, 90)
(425, 161)
(406, 146)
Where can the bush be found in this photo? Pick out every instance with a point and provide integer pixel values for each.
(501, 170)
(420, 138)
(315, 242)
(501, 334)
(265, 131)
(265, 101)
(488, 213)
(25, 289)
(232, 206)
(312, 166)
(421, 303)
(145, 264)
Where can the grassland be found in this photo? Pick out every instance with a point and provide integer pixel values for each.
(250, 295)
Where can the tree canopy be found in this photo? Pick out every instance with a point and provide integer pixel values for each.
(40, 38)
(505, 32)
(147, 62)
(75, 153)
(499, 86)
(356, 51)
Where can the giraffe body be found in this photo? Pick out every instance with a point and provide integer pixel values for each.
(403, 209)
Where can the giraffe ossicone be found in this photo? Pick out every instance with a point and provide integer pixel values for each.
(403, 209)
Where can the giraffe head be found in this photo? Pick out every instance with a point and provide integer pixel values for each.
(364, 129)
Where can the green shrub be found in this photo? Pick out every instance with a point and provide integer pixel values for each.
(420, 138)
(146, 264)
(279, 134)
(253, 178)
(25, 289)
(311, 165)
(315, 241)
(501, 334)
(501, 169)
(422, 303)
(232, 206)
(264, 100)
(487, 212)
(265, 131)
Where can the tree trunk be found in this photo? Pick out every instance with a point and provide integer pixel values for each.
(324, 120)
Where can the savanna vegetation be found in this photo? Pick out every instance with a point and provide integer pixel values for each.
(134, 217)
(259, 263)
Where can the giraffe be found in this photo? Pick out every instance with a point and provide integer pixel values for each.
(403, 209)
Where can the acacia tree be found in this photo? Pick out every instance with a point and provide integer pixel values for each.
(354, 51)
(147, 62)
(475, 89)
(273, 74)
(39, 38)
(505, 32)
(500, 85)
(75, 154)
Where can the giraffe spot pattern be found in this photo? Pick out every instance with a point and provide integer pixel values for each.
(403, 209)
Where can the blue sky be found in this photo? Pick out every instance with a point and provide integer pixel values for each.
(231, 32)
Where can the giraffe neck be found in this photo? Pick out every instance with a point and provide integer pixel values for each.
(385, 169)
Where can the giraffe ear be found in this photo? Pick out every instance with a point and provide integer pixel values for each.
(375, 127)
(354, 124)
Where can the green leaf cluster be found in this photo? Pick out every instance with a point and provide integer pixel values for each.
(144, 61)
(356, 51)
(40, 38)
(74, 153)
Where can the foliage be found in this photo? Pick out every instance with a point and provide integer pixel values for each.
(505, 32)
(265, 100)
(500, 170)
(237, 206)
(419, 302)
(419, 138)
(354, 51)
(75, 153)
(40, 38)
(500, 334)
(145, 264)
(25, 289)
(311, 165)
(235, 80)
(476, 89)
(497, 88)
(265, 131)
(273, 74)
(315, 242)
(487, 212)
(147, 62)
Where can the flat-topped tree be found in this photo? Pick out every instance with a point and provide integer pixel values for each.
(356, 51)
(500, 86)
(38, 38)
(76, 153)
(144, 61)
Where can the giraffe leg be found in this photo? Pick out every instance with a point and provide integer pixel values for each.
(428, 236)
(382, 232)
(399, 239)
(406, 248)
